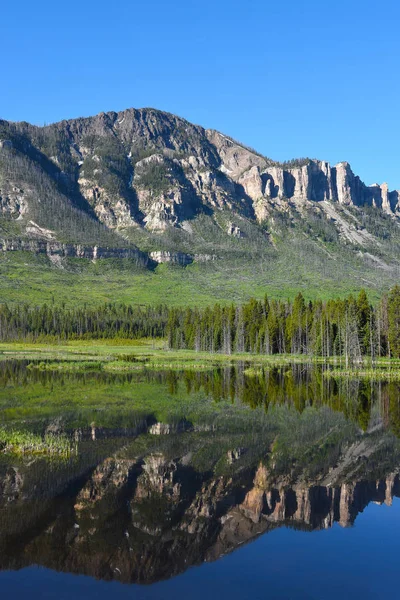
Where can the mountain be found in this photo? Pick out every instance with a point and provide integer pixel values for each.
(148, 187)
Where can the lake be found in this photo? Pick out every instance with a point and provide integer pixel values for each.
(239, 482)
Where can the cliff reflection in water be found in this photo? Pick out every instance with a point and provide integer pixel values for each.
(145, 502)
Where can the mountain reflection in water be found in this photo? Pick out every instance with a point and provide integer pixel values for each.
(143, 501)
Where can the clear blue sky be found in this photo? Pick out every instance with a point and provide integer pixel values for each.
(311, 78)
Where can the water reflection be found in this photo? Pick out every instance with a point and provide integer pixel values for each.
(143, 501)
(363, 401)
(144, 519)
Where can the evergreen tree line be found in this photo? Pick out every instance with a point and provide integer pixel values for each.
(349, 327)
(109, 321)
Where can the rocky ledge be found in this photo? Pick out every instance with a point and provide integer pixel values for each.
(58, 249)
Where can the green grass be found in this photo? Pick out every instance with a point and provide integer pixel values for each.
(13, 441)
(379, 373)
(68, 366)
(25, 277)
(134, 355)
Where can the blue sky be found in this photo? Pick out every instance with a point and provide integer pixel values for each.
(318, 79)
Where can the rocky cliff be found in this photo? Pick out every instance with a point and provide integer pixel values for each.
(57, 249)
(146, 168)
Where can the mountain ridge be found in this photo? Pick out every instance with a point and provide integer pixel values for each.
(174, 192)
(112, 113)
(253, 182)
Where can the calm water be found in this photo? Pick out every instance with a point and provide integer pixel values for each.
(279, 483)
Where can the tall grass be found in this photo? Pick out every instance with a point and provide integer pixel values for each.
(14, 441)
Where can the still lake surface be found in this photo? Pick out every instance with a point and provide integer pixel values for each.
(237, 482)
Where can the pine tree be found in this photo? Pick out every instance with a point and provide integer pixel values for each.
(394, 320)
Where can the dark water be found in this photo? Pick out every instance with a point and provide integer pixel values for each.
(339, 563)
(280, 483)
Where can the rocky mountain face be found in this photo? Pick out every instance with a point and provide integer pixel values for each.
(144, 187)
(316, 181)
(149, 169)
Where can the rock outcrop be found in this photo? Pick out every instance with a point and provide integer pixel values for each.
(110, 208)
(315, 181)
(175, 258)
(53, 248)
(13, 201)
